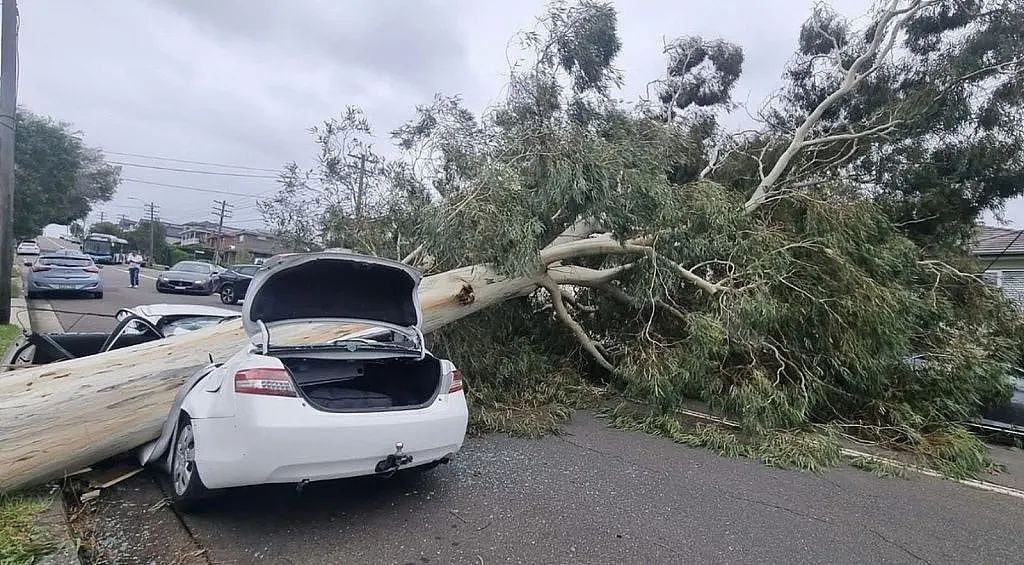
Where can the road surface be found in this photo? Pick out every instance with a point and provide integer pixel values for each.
(593, 495)
(73, 311)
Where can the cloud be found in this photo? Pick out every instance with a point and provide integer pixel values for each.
(236, 81)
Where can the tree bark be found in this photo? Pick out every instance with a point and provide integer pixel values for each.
(58, 418)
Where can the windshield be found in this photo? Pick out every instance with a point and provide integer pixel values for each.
(189, 324)
(66, 261)
(96, 247)
(192, 268)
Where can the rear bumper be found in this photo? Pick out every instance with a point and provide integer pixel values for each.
(286, 441)
(70, 285)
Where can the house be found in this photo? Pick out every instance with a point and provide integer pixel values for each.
(250, 244)
(1001, 254)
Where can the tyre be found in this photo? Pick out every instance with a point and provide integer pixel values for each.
(160, 290)
(97, 295)
(227, 294)
(187, 489)
(29, 295)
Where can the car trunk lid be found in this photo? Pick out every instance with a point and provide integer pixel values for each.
(331, 287)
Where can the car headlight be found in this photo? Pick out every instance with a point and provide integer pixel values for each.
(201, 282)
(161, 278)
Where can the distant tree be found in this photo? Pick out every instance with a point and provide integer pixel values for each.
(109, 228)
(57, 176)
(76, 229)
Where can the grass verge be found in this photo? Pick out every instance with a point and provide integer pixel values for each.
(8, 334)
(21, 541)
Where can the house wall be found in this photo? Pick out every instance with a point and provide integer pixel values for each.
(1006, 272)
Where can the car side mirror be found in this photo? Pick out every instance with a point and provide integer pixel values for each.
(167, 267)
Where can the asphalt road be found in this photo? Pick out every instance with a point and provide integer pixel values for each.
(592, 495)
(74, 311)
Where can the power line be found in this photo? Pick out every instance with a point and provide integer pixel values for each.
(173, 160)
(194, 171)
(197, 189)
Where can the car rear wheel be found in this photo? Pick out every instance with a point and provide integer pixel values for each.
(187, 490)
(97, 295)
(227, 294)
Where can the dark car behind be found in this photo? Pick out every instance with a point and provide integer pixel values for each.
(192, 277)
(234, 282)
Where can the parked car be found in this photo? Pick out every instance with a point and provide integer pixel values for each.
(190, 277)
(1006, 418)
(65, 271)
(281, 412)
(234, 282)
(28, 248)
(134, 326)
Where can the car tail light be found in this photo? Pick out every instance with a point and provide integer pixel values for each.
(455, 380)
(91, 269)
(37, 268)
(268, 382)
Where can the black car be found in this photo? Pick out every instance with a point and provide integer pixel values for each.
(234, 282)
(192, 277)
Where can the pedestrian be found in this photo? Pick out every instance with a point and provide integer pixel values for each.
(134, 265)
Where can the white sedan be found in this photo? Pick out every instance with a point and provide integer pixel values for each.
(281, 411)
(28, 248)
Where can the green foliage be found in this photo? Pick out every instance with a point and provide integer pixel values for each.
(58, 177)
(786, 450)
(879, 467)
(955, 86)
(517, 377)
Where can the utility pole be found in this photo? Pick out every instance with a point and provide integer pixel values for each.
(8, 121)
(152, 208)
(221, 210)
(361, 183)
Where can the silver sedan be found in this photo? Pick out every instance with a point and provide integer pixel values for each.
(65, 272)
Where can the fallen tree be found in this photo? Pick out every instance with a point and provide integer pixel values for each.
(766, 279)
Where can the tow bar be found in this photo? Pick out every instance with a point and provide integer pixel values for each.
(392, 462)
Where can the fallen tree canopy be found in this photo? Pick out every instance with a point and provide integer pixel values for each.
(775, 274)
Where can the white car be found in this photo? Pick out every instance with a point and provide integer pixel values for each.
(371, 403)
(28, 248)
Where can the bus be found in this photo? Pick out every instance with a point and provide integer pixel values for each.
(105, 248)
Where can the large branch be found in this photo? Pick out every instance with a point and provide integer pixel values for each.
(581, 334)
(886, 29)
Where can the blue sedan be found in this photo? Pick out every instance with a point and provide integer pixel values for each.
(65, 272)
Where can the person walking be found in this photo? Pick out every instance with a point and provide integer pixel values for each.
(134, 266)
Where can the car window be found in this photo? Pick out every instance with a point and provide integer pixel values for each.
(66, 261)
(248, 271)
(189, 324)
(192, 268)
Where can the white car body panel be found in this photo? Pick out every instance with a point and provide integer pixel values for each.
(246, 439)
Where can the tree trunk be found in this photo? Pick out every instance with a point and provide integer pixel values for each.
(58, 418)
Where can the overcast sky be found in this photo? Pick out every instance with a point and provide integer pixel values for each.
(239, 82)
